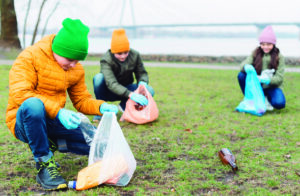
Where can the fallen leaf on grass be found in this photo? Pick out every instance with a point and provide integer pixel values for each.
(188, 130)
(297, 173)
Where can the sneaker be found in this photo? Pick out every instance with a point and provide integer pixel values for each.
(120, 108)
(49, 177)
(57, 165)
(97, 118)
(269, 107)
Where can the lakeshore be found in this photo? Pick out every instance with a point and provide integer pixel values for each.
(219, 60)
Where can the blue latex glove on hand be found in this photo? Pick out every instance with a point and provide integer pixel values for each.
(248, 68)
(105, 107)
(150, 89)
(266, 75)
(268, 72)
(143, 83)
(264, 80)
(138, 98)
(68, 118)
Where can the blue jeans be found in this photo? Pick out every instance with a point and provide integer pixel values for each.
(274, 95)
(103, 93)
(34, 127)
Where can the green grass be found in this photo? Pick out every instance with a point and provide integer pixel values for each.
(173, 161)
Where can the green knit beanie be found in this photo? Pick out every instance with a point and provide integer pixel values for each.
(72, 40)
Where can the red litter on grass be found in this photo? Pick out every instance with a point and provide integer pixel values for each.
(188, 130)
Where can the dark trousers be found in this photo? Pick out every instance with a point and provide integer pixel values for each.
(103, 93)
(34, 127)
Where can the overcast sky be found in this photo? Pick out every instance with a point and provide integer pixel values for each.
(108, 12)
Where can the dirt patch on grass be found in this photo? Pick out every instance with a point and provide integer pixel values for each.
(202, 191)
(190, 158)
(11, 175)
(127, 193)
(161, 147)
(227, 177)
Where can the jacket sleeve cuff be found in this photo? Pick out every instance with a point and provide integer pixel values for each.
(127, 93)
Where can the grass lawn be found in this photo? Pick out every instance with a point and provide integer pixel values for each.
(176, 162)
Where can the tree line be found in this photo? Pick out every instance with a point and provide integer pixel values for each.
(9, 25)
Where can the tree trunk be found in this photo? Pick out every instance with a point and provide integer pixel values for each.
(9, 26)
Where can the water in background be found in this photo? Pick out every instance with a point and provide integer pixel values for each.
(191, 46)
(202, 47)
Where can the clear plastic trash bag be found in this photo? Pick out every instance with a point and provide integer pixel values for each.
(87, 128)
(110, 160)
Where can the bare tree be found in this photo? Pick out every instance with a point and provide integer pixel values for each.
(9, 26)
(25, 22)
(37, 22)
(44, 29)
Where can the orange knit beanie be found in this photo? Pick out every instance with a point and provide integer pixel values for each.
(119, 41)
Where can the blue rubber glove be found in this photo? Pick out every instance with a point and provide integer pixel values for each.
(105, 107)
(68, 118)
(138, 98)
(265, 80)
(266, 75)
(248, 68)
(143, 83)
(150, 89)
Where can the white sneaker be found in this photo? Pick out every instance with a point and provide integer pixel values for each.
(269, 107)
(120, 109)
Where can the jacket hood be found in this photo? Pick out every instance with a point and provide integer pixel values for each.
(45, 44)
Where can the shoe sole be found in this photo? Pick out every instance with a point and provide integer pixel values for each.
(51, 188)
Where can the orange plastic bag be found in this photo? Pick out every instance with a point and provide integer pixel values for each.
(138, 114)
(89, 177)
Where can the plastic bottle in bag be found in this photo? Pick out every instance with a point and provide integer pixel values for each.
(72, 185)
(88, 130)
(228, 158)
